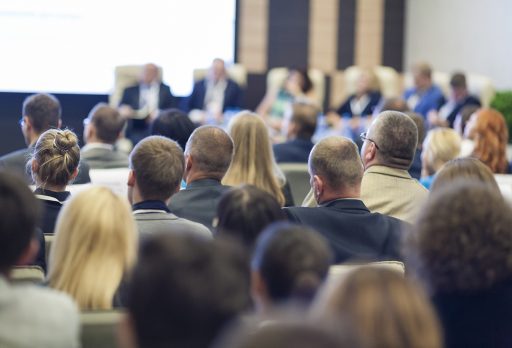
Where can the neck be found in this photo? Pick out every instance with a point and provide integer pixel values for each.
(54, 188)
(195, 176)
(350, 193)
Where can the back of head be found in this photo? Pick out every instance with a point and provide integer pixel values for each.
(386, 310)
(55, 158)
(292, 260)
(244, 212)
(419, 121)
(185, 290)
(397, 137)
(488, 129)
(158, 165)
(44, 110)
(211, 149)
(20, 214)
(458, 80)
(440, 146)
(462, 240)
(89, 256)
(336, 159)
(304, 116)
(395, 104)
(107, 122)
(173, 124)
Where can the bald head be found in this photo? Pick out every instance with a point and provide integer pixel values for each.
(336, 160)
(211, 150)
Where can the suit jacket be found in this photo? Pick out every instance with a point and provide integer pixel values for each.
(232, 96)
(346, 109)
(392, 192)
(16, 162)
(198, 201)
(469, 100)
(52, 203)
(293, 151)
(131, 97)
(351, 230)
(103, 158)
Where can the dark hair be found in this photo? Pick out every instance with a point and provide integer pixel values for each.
(304, 115)
(465, 114)
(243, 212)
(107, 122)
(293, 261)
(395, 104)
(462, 240)
(307, 84)
(458, 80)
(185, 289)
(44, 110)
(20, 215)
(173, 124)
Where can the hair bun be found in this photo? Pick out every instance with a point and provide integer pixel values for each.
(65, 140)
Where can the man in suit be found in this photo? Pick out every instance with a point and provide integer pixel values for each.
(40, 113)
(140, 103)
(301, 128)
(157, 165)
(30, 315)
(208, 154)
(102, 128)
(217, 92)
(352, 231)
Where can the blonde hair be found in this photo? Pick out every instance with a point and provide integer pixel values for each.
(253, 161)
(57, 156)
(95, 245)
(440, 146)
(387, 311)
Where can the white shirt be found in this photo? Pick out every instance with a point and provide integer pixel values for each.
(149, 95)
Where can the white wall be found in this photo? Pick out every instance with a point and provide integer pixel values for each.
(469, 35)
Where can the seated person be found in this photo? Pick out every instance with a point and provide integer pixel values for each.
(300, 130)
(459, 125)
(157, 165)
(173, 124)
(208, 155)
(140, 103)
(424, 96)
(216, 93)
(30, 316)
(95, 246)
(459, 98)
(415, 169)
(102, 128)
(353, 232)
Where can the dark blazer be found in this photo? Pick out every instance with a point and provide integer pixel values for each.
(102, 158)
(415, 169)
(131, 97)
(293, 151)
(351, 230)
(232, 96)
(16, 162)
(198, 201)
(346, 110)
(469, 100)
(52, 203)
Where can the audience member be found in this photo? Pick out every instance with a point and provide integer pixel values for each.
(41, 112)
(140, 103)
(185, 291)
(173, 124)
(341, 217)
(300, 130)
(94, 248)
(386, 310)
(244, 212)
(467, 145)
(440, 146)
(102, 128)
(424, 96)
(488, 130)
(415, 169)
(157, 166)
(217, 92)
(208, 154)
(253, 161)
(460, 249)
(458, 99)
(30, 316)
(289, 264)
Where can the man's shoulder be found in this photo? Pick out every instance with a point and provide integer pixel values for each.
(158, 221)
(15, 156)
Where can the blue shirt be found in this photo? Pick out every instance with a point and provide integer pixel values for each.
(431, 99)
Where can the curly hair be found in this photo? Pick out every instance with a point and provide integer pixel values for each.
(460, 244)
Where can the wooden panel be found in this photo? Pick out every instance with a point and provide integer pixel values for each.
(323, 34)
(253, 33)
(369, 31)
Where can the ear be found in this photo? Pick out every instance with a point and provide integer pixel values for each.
(59, 124)
(188, 162)
(131, 178)
(34, 166)
(370, 153)
(318, 186)
(126, 336)
(259, 292)
(74, 174)
(29, 254)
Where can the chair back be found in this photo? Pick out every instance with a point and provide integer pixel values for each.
(126, 76)
(27, 274)
(115, 179)
(99, 328)
(297, 176)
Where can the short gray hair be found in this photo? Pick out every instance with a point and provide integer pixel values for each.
(336, 159)
(396, 136)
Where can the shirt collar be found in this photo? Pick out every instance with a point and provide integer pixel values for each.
(385, 170)
(105, 146)
(51, 195)
(150, 206)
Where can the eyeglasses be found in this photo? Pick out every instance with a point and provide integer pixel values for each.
(363, 138)
(21, 122)
(86, 121)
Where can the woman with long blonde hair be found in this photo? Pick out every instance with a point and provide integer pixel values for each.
(253, 160)
(95, 245)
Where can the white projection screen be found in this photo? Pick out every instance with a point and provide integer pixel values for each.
(73, 46)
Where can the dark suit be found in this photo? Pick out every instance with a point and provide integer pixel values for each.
(51, 208)
(415, 169)
(232, 96)
(346, 109)
(198, 202)
(293, 151)
(351, 230)
(469, 100)
(16, 163)
(103, 158)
